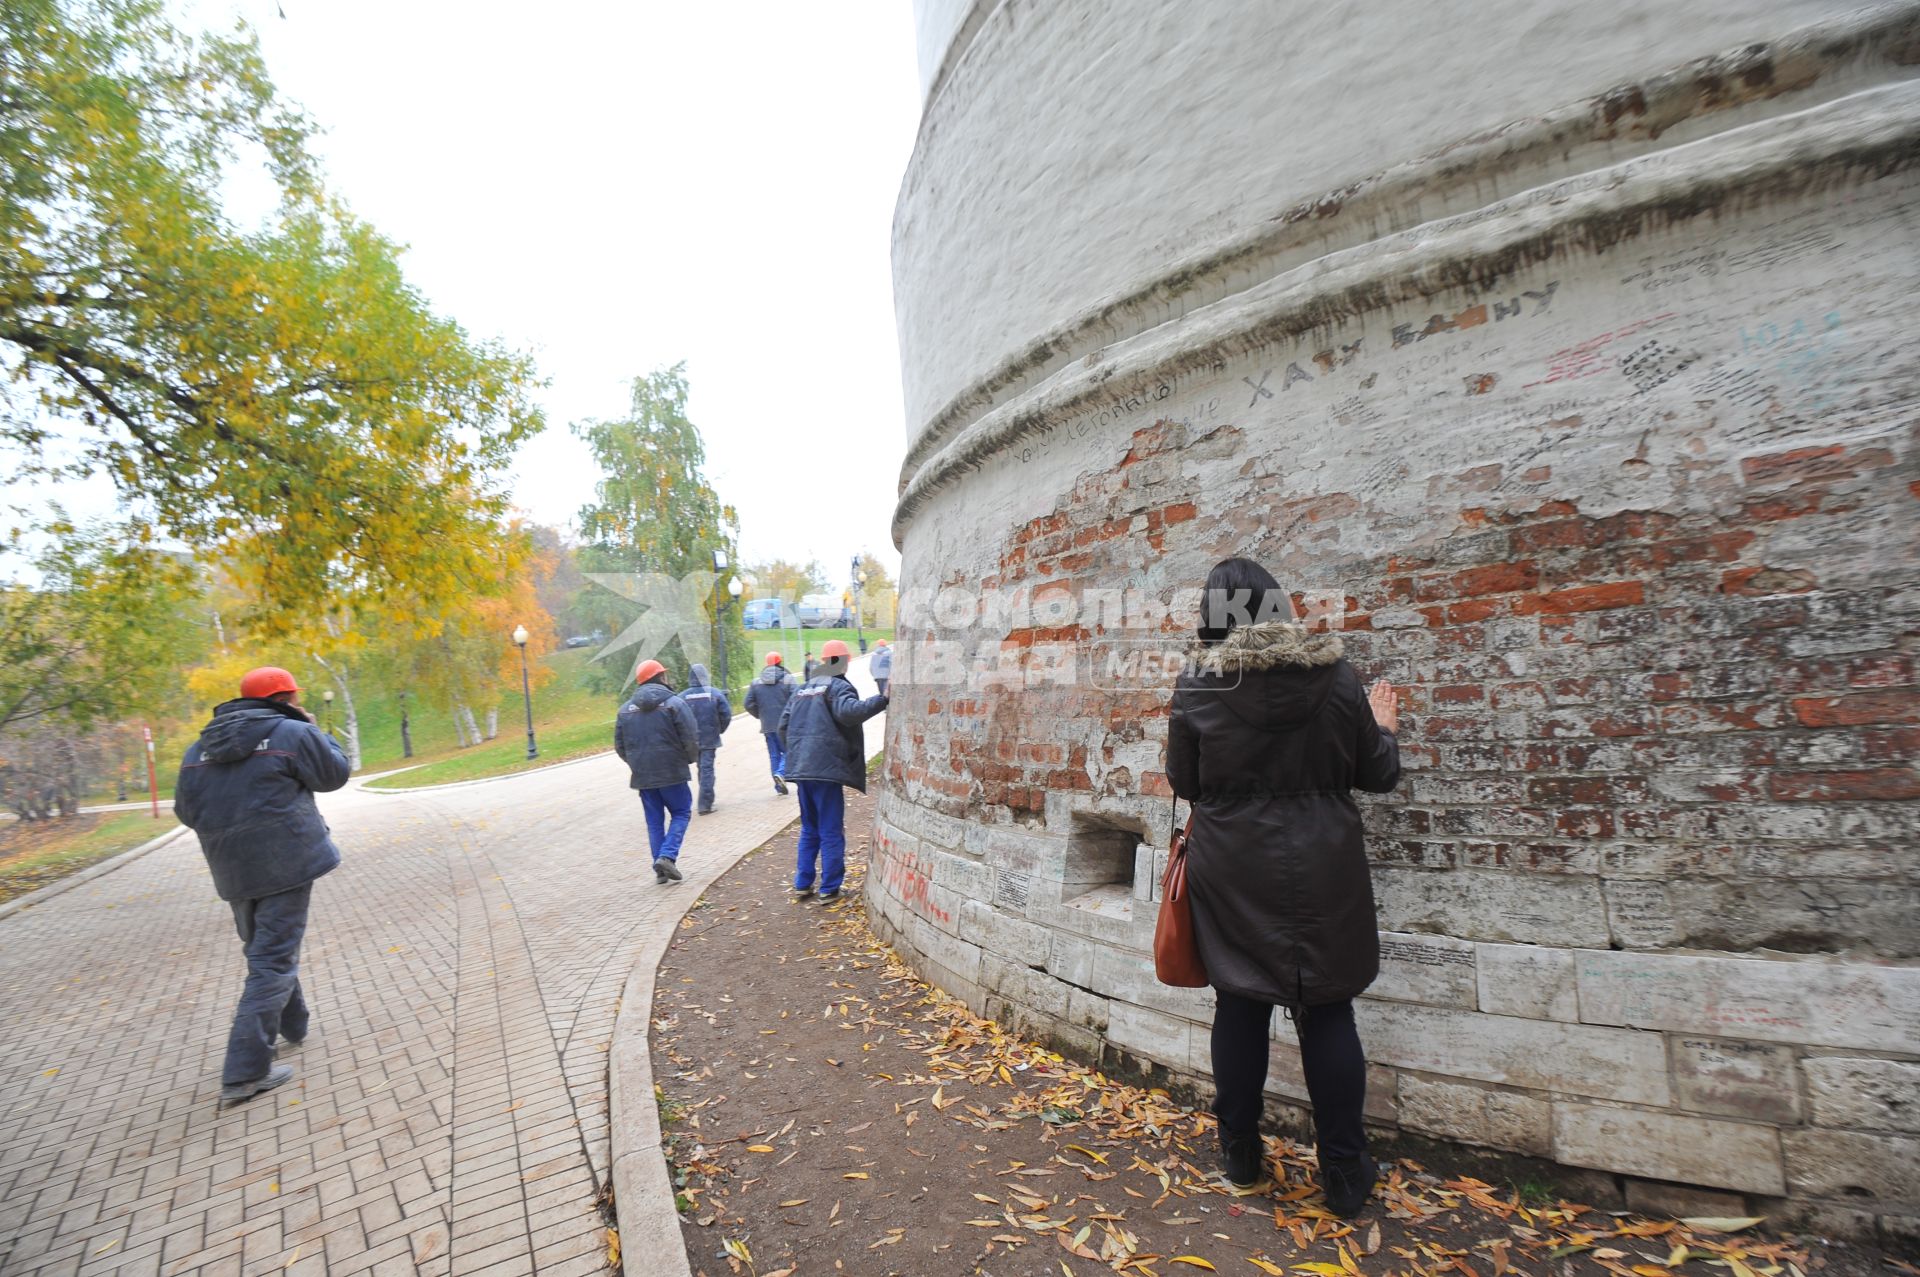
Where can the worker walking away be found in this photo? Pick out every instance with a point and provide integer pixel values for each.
(767, 698)
(712, 712)
(656, 736)
(826, 752)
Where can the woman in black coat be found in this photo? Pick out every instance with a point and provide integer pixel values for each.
(1269, 733)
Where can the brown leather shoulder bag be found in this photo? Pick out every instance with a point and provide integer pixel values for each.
(1176, 958)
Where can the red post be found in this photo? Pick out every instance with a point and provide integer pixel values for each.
(153, 777)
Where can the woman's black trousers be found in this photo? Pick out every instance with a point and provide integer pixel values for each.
(1330, 1055)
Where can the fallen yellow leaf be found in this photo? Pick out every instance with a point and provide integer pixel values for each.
(1722, 1223)
(855, 1175)
(1274, 1269)
(1194, 1261)
(798, 1201)
(759, 1148)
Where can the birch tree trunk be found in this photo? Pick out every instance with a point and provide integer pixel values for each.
(349, 717)
(493, 722)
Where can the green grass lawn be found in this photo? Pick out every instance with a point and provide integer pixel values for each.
(562, 703)
(558, 706)
(35, 853)
(508, 754)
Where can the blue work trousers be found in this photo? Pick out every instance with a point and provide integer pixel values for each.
(823, 836)
(271, 928)
(706, 778)
(668, 808)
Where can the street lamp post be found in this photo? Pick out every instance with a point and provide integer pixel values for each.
(859, 619)
(526, 687)
(734, 589)
(722, 562)
(859, 579)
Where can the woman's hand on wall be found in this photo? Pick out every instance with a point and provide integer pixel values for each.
(1386, 705)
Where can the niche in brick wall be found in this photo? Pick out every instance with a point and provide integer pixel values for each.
(1098, 873)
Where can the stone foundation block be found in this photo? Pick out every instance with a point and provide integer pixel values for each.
(1680, 1201)
(1032, 989)
(1817, 1003)
(1434, 970)
(1614, 1064)
(1070, 957)
(1874, 1095)
(1851, 1164)
(1156, 1035)
(945, 950)
(1487, 905)
(1476, 1115)
(1640, 915)
(1732, 1078)
(1669, 1146)
(1127, 976)
(1011, 938)
(971, 879)
(1087, 1010)
(1528, 981)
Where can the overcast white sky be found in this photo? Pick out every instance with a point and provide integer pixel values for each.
(617, 186)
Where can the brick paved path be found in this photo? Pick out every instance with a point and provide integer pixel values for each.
(449, 1111)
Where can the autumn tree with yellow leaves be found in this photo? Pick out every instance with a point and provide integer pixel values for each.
(277, 397)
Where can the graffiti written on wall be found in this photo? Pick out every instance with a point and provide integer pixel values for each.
(1801, 356)
(910, 877)
(1593, 356)
(1474, 316)
(1117, 408)
(1653, 364)
(1276, 379)
(1297, 372)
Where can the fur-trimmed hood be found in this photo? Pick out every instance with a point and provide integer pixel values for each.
(1269, 645)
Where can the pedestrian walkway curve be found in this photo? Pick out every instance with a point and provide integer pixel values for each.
(449, 1113)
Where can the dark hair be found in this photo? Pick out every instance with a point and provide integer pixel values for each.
(1240, 592)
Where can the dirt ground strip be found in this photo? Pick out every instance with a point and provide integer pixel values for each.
(826, 1113)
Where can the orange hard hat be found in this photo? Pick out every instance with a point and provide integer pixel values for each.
(773, 658)
(833, 648)
(268, 680)
(648, 671)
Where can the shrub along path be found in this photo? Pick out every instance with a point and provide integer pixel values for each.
(826, 1113)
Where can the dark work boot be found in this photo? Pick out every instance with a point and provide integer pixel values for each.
(1348, 1184)
(1242, 1157)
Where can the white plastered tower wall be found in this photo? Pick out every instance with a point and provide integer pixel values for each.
(1567, 351)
